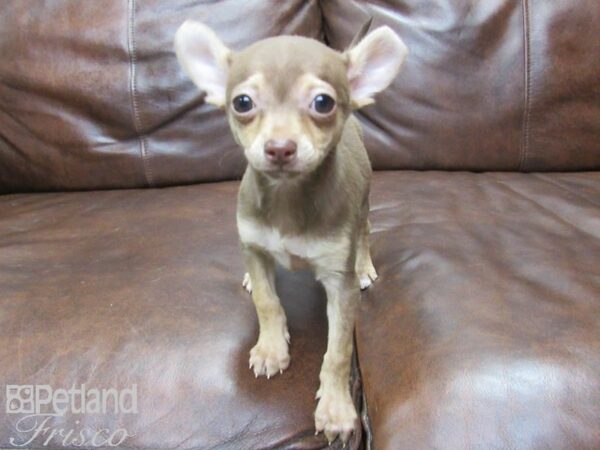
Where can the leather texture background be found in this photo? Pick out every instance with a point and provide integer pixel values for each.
(92, 97)
(483, 327)
(144, 286)
(509, 85)
(483, 330)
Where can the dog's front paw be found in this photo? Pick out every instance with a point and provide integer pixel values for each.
(335, 414)
(367, 277)
(270, 356)
(247, 283)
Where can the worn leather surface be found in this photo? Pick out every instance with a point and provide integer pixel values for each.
(91, 94)
(489, 85)
(483, 330)
(114, 288)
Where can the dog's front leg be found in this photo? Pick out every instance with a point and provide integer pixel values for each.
(335, 413)
(270, 355)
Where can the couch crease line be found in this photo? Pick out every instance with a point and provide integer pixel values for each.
(527, 90)
(137, 123)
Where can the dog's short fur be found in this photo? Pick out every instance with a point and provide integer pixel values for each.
(303, 201)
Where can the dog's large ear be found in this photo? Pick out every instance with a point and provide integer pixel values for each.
(373, 63)
(204, 58)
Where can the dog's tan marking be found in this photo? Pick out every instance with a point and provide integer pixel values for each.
(327, 252)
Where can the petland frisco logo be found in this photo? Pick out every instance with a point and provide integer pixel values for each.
(40, 404)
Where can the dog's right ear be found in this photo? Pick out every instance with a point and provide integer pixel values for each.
(204, 58)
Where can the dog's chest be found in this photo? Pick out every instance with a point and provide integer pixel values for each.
(293, 252)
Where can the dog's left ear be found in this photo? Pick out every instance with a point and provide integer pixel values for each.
(204, 58)
(373, 63)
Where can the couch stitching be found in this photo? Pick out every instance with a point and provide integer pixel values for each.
(323, 35)
(137, 123)
(362, 406)
(527, 81)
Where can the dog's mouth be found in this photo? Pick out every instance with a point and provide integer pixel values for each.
(280, 172)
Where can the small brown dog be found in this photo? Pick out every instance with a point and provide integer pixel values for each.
(304, 198)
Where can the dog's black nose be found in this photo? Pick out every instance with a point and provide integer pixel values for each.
(280, 151)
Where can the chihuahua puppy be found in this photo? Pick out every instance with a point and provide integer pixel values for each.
(304, 198)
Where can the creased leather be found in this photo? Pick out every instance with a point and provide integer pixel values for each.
(113, 288)
(485, 85)
(92, 97)
(483, 330)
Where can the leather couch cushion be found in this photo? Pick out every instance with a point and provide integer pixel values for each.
(483, 330)
(143, 287)
(91, 94)
(488, 85)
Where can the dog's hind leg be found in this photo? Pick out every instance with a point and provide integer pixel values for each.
(364, 265)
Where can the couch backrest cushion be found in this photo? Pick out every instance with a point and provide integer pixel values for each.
(91, 95)
(488, 85)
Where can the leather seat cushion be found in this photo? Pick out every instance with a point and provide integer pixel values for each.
(483, 330)
(114, 288)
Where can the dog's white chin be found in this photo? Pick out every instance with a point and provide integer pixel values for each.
(281, 174)
(285, 172)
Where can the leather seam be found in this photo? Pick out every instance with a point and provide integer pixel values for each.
(527, 81)
(363, 412)
(137, 123)
(323, 30)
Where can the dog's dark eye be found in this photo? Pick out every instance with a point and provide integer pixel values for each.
(323, 104)
(243, 104)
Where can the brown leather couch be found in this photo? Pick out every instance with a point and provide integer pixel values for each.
(119, 261)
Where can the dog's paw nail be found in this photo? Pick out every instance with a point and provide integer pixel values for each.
(270, 356)
(330, 435)
(247, 283)
(335, 414)
(366, 277)
(345, 435)
(318, 394)
(365, 282)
